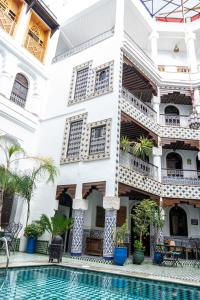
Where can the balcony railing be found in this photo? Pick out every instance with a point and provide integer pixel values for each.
(18, 100)
(173, 69)
(89, 43)
(6, 22)
(179, 176)
(141, 106)
(33, 47)
(177, 121)
(132, 162)
(172, 120)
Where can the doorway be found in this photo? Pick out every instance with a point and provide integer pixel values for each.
(65, 209)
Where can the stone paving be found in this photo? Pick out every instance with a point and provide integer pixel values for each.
(186, 274)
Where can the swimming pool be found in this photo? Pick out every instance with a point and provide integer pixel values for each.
(59, 283)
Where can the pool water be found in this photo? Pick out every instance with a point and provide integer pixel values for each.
(56, 283)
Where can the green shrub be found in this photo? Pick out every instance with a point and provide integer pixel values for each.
(33, 230)
(138, 245)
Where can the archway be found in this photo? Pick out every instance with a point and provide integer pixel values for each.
(65, 209)
(174, 164)
(178, 221)
(172, 115)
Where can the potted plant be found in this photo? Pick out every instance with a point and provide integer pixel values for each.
(32, 232)
(55, 225)
(120, 250)
(143, 218)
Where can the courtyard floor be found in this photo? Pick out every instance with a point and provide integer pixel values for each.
(186, 274)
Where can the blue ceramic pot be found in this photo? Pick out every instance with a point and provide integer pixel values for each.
(31, 245)
(120, 255)
(158, 258)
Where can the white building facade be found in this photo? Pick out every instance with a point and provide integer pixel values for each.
(116, 72)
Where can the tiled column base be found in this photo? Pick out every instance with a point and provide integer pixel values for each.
(77, 235)
(110, 225)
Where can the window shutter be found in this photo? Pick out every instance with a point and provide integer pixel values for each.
(100, 216)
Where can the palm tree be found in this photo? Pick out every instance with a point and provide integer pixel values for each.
(27, 182)
(141, 148)
(9, 154)
(24, 185)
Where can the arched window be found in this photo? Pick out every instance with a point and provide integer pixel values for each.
(178, 221)
(174, 165)
(19, 90)
(172, 116)
(171, 110)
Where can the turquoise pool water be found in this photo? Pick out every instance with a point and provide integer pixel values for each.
(56, 283)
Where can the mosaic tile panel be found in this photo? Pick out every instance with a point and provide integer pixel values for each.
(133, 112)
(42, 247)
(77, 235)
(179, 133)
(139, 181)
(110, 225)
(178, 191)
(144, 183)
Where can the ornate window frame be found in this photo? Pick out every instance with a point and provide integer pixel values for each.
(109, 88)
(64, 158)
(90, 90)
(106, 154)
(72, 89)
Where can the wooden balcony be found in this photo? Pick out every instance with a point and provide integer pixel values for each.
(6, 22)
(34, 48)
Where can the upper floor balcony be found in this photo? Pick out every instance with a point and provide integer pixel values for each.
(140, 105)
(134, 163)
(181, 177)
(7, 20)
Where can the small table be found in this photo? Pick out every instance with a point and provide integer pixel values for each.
(170, 253)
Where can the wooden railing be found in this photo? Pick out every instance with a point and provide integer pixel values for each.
(140, 105)
(34, 48)
(6, 22)
(180, 176)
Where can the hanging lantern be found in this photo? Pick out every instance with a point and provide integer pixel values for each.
(194, 120)
(176, 49)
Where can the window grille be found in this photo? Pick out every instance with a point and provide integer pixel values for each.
(102, 79)
(98, 139)
(81, 83)
(74, 141)
(19, 90)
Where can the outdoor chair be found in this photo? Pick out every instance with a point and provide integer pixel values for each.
(10, 233)
(190, 248)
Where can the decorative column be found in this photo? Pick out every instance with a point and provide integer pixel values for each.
(79, 207)
(194, 119)
(156, 105)
(190, 38)
(157, 156)
(154, 47)
(111, 205)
